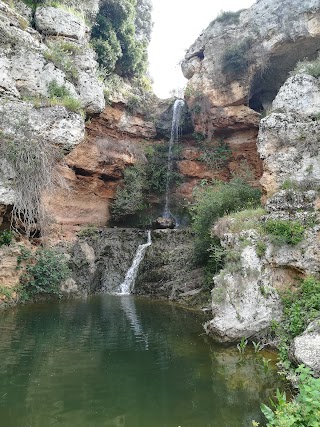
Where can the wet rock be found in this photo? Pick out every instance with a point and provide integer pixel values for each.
(164, 222)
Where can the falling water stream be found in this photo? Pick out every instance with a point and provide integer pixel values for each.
(175, 133)
(127, 285)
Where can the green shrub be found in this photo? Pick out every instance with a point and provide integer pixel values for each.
(60, 95)
(214, 201)
(216, 156)
(285, 231)
(229, 17)
(309, 67)
(303, 410)
(235, 60)
(157, 168)
(120, 37)
(6, 237)
(301, 306)
(130, 196)
(44, 272)
(61, 55)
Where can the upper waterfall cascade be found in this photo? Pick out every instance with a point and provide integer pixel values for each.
(175, 134)
(127, 285)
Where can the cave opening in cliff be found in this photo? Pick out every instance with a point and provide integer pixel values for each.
(268, 80)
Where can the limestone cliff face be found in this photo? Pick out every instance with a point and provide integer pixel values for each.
(238, 64)
(288, 139)
(44, 50)
(244, 298)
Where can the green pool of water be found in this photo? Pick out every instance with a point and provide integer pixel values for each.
(121, 361)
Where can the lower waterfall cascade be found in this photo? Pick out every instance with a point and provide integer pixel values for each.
(127, 285)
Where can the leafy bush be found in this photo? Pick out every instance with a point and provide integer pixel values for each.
(44, 272)
(214, 201)
(283, 231)
(235, 60)
(130, 197)
(303, 410)
(5, 237)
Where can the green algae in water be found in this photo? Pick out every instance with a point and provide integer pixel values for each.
(121, 361)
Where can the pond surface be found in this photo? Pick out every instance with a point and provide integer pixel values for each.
(122, 361)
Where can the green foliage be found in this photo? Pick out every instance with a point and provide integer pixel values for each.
(5, 237)
(241, 346)
(214, 201)
(301, 306)
(261, 248)
(88, 231)
(216, 156)
(43, 272)
(303, 410)
(121, 35)
(229, 17)
(6, 292)
(60, 95)
(235, 60)
(130, 197)
(309, 67)
(157, 168)
(61, 55)
(285, 231)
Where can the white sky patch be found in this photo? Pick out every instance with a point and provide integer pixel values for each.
(177, 24)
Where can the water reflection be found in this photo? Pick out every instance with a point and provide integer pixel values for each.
(120, 361)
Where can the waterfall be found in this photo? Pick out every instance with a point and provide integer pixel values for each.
(175, 133)
(127, 285)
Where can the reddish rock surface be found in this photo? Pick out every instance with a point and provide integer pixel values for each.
(94, 169)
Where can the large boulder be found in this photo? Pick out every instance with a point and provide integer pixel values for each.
(59, 22)
(306, 347)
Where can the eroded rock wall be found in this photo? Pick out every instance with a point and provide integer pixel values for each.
(237, 66)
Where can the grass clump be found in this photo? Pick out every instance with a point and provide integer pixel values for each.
(308, 67)
(43, 272)
(229, 17)
(60, 54)
(60, 95)
(285, 231)
(245, 219)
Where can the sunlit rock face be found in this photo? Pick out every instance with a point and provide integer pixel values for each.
(238, 64)
(306, 347)
(288, 139)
